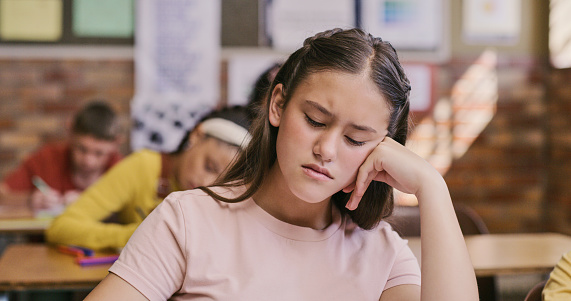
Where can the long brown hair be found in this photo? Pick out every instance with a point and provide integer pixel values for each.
(351, 51)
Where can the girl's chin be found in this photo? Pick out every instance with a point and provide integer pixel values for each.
(313, 199)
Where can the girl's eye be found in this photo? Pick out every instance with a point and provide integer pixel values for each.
(210, 168)
(312, 122)
(354, 142)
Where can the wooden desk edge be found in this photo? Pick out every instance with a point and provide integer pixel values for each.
(10, 287)
(508, 271)
(8, 282)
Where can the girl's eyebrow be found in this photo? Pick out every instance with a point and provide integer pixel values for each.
(319, 107)
(326, 112)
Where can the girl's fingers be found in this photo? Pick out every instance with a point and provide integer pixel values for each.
(365, 176)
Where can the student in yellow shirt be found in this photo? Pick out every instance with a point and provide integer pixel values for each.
(558, 287)
(135, 186)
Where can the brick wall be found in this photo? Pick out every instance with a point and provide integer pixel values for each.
(487, 134)
(503, 175)
(38, 97)
(557, 198)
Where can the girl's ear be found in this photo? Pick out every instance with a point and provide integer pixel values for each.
(276, 105)
(195, 135)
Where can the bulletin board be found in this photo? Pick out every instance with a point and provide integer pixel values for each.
(67, 22)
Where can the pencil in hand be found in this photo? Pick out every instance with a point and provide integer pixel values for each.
(41, 185)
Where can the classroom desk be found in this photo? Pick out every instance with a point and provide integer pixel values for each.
(39, 266)
(501, 254)
(21, 220)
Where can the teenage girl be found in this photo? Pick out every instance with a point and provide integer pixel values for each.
(299, 215)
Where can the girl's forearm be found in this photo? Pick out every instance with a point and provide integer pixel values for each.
(447, 271)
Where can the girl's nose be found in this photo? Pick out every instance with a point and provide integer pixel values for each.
(326, 146)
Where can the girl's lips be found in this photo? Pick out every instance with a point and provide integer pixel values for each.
(317, 172)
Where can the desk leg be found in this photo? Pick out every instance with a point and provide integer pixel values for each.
(487, 288)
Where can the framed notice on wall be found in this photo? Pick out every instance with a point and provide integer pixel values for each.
(560, 33)
(491, 21)
(416, 28)
(289, 22)
(32, 20)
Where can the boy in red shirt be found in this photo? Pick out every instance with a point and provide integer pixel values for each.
(53, 176)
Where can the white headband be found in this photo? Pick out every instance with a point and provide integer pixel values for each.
(226, 131)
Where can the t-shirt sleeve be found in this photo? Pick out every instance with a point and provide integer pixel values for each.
(405, 268)
(154, 260)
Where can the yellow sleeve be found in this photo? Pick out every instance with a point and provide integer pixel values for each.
(131, 181)
(558, 286)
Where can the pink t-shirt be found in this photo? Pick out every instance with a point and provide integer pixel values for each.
(192, 247)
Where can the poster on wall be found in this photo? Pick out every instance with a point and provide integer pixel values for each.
(243, 72)
(421, 82)
(408, 24)
(103, 18)
(31, 20)
(491, 21)
(290, 22)
(560, 33)
(177, 69)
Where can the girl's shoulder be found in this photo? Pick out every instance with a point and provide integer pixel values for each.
(383, 234)
(198, 199)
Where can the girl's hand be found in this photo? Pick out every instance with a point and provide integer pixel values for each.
(392, 163)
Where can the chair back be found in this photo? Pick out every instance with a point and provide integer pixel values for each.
(470, 222)
(406, 220)
(534, 293)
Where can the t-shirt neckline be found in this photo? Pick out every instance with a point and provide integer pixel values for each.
(290, 231)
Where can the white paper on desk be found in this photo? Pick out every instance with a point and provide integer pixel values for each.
(49, 213)
(290, 22)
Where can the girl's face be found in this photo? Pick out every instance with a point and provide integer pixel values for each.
(203, 161)
(331, 124)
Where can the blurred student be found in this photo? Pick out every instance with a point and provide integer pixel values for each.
(53, 176)
(135, 186)
(299, 215)
(558, 286)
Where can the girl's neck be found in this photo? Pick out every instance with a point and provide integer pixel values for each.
(275, 198)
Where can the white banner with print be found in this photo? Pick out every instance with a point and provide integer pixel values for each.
(177, 69)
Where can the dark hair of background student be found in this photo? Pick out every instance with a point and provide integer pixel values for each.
(259, 94)
(97, 119)
(350, 51)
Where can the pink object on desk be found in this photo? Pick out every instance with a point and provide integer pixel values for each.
(86, 261)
